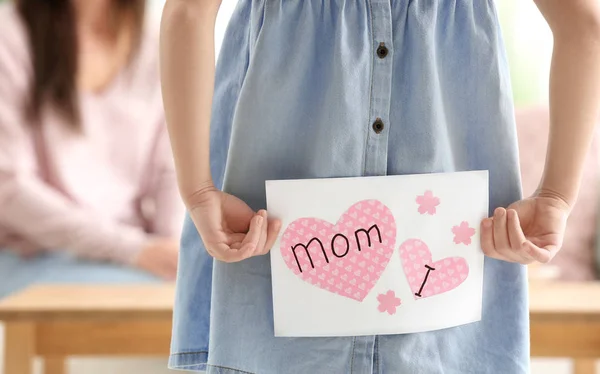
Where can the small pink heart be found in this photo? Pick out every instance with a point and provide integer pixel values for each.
(422, 273)
(366, 228)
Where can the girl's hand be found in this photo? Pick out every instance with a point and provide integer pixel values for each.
(230, 229)
(527, 231)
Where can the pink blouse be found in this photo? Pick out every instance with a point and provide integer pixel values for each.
(100, 193)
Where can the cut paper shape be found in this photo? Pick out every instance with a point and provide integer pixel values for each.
(463, 233)
(428, 203)
(427, 278)
(388, 302)
(319, 293)
(347, 258)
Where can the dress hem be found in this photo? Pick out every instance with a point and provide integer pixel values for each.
(197, 361)
(190, 361)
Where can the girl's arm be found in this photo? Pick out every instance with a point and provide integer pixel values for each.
(230, 230)
(533, 229)
(574, 93)
(187, 50)
(160, 187)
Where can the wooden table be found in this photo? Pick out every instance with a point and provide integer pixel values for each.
(59, 321)
(565, 322)
(56, 321)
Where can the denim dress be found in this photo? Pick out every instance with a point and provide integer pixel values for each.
(345, 88)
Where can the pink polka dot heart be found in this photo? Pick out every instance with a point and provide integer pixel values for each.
(347, 258)
(426, 277)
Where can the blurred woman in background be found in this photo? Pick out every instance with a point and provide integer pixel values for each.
(85, 165)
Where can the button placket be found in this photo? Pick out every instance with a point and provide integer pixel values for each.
(363, 352)
(381, 84)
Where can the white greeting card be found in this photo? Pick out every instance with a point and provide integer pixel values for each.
(377, 255)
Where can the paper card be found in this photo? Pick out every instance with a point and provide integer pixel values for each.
(377, 255)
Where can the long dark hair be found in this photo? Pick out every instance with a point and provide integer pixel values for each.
(51, 27)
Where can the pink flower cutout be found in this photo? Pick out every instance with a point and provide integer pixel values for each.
(463, 233)
(388, 302)
(427, 203)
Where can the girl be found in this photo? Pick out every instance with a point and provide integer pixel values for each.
(83, 144)
(313, 88)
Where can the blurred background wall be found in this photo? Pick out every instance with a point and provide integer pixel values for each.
(529, 46)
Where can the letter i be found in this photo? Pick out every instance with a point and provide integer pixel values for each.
(429, 269)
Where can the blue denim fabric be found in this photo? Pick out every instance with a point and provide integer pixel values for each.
(298, 87)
